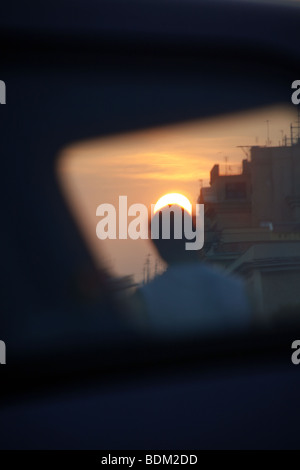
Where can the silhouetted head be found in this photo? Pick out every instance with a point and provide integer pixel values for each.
(169, 225)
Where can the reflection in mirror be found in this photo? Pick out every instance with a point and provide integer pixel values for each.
(244, 169)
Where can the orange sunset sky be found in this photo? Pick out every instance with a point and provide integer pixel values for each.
(147, 164)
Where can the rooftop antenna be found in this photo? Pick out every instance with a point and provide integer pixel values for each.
(146, 269)
(281, 132)
(246, 150)
(268, 132)
(295, 130)
(226, 166)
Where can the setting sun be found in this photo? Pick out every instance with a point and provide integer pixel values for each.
(173, 198)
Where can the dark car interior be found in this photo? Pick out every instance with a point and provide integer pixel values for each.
(78, 375)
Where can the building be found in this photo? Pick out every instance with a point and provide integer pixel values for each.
(252, 224)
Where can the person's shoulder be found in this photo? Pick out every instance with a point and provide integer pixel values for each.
(215, 277)
(216, 272)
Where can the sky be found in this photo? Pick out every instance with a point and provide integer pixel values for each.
(147, 164)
